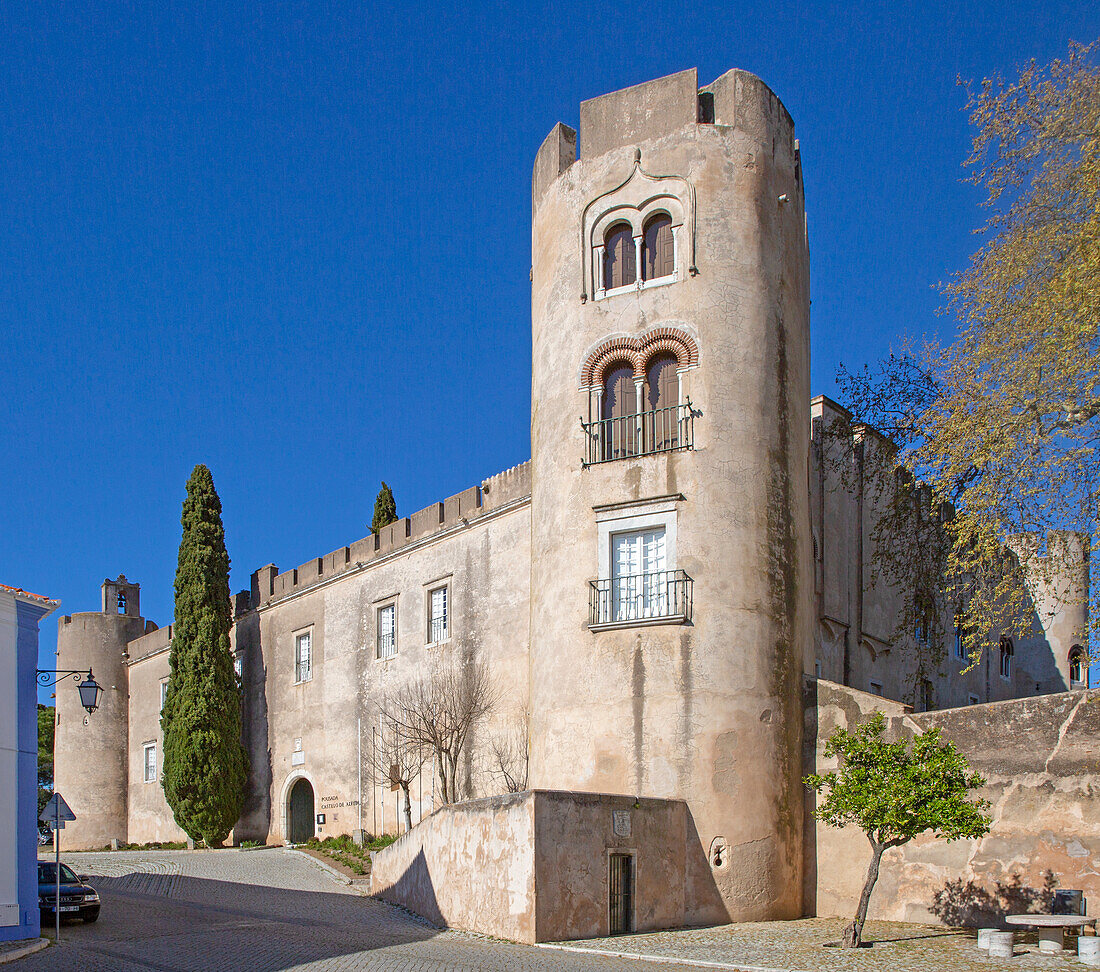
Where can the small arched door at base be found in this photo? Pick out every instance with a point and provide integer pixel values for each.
(300, 812)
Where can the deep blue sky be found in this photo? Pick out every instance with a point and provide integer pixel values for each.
(292, 241)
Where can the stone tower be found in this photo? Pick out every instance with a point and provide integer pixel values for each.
(671, 577)
(90, 751)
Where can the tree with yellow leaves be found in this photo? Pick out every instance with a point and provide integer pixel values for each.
(1003, 424)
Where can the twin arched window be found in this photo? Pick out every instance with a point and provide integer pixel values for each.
(632, 427)
(656, 251)
(661, 388)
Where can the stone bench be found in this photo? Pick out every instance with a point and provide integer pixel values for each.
(1051, 928)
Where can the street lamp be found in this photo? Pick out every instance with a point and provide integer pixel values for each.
(89, 688)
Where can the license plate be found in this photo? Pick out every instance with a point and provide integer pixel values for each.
(70, 908)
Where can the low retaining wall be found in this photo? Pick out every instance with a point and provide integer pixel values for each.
(533, 866)
(1041, 761)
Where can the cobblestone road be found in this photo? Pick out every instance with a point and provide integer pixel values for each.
(263, 911)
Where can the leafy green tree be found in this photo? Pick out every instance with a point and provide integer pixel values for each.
(1003, 423)
(205, 765)
(45, 745)
(893, 793)
(45, 757)
(385, 509)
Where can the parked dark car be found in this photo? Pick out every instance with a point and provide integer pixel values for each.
(78, 898)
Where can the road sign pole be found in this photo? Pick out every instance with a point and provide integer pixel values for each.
(57, 868)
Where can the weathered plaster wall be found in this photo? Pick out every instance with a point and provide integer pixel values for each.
(706, 712)
(469, 866)
(150, 818)
(309, 729)
(1040, 759)
(534, 865)
(574, 836)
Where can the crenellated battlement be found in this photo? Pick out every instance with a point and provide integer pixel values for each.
(498, 491)
(654, 109)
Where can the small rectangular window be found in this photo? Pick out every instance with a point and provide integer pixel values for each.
(876, 688)
(960, 650)
(150, 762)
(387, 631)
(973, 699)
(303, 657)
(238, 667)
(163, 694)
(438, 616)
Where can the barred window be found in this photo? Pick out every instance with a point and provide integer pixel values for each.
(303, 657)
(387, 631)
(438, 615)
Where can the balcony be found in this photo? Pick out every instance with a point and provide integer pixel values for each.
(660, 597)
(643, 434)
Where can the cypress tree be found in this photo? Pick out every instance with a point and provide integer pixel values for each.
(385, 509)
(205, 765)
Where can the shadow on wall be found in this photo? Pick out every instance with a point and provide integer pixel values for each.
(970, 904)
(415, 884)
(255, 822)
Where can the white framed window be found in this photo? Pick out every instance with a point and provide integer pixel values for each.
(638, 581)
(386, 644)
(149, 753)
(876, 688)
(635, 242)
(639, 575)
(238, 666)
(163, 694)
(303, 656)
(439, 615)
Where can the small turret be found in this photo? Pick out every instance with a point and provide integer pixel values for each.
(90, 751)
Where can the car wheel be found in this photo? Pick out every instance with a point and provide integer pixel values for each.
(90, 916)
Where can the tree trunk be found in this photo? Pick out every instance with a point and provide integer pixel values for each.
(408, 807)
(853, 934)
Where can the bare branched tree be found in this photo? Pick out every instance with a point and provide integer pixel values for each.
(510, 756)
(398, 761)
(439, 710)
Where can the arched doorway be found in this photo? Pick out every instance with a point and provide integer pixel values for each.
(300, 812)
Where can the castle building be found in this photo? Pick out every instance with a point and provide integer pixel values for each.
(650, 593)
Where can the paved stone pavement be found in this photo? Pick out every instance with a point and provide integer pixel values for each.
(263, 911)
(800, 945)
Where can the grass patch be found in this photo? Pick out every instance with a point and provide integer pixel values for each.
(345, 851)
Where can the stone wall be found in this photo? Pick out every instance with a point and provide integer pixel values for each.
(1041, 761)
(533, 866)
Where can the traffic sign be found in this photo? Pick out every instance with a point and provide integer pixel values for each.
(56, 810)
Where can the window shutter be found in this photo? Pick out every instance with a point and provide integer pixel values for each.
(658, 261)
(619, 267)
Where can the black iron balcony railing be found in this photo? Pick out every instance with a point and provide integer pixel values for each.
(645, 433)
(660, 595)
(387, 645)
(437, 631)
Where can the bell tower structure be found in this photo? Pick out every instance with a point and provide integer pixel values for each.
(671, 577)
(91, 752)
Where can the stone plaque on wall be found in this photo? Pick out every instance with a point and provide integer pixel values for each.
(620, 822)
